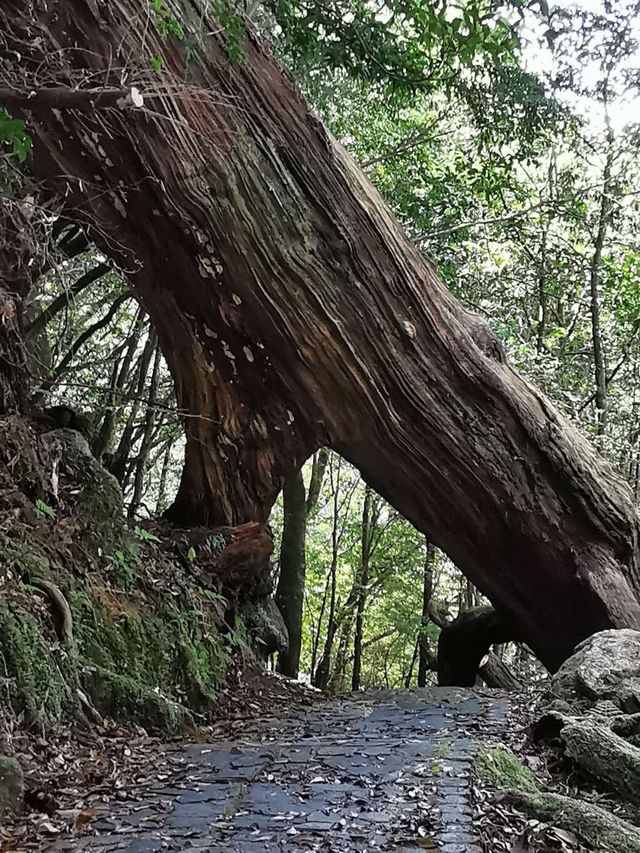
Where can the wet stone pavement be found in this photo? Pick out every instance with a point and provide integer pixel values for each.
(381, 770)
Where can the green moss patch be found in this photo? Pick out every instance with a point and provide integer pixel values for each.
(33, 669)
(166, 647)
(502, 768)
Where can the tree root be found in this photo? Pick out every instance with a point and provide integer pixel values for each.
(87, 707)
(598, 827)
(604, 755)
(61, 606)
(598, 747)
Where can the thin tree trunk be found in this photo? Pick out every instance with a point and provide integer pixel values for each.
(414, 658)
(424, 653)
(147, 437)
(118, 465)
(599, 362)
(64, 365)
(294, 314)
(119, 377)
(39, 323)
(164, 474)
(368, 526)
(290, 591)
(320, 678)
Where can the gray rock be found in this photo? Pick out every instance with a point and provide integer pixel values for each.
(11, 786)
(265, 626)
(606, 666)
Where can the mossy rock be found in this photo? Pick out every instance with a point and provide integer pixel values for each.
(502, 768)
(35, 680)
(174, 647)
(124, 698)
(99, 503)
(22, 558)
(11, 786)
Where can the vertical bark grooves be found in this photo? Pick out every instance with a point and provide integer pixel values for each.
(294, 313)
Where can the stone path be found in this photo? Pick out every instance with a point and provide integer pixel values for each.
(383, 770)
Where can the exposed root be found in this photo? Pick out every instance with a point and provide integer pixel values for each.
(604, 831)
(60, 604)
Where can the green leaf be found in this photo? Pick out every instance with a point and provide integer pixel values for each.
(45, 510)
(14, 135)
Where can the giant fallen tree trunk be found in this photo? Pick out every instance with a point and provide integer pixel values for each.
(294, 313)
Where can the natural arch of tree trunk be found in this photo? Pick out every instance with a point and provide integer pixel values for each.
(464, 642)
(294, 313)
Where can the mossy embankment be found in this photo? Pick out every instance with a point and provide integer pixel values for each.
(96, 619)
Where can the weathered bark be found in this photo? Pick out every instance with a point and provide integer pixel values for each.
(464, 642)
(294, 314)
(21, 249)
(290, 590)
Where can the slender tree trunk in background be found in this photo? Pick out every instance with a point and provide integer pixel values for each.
(291, 583)
(290, 591)
(119, 378)
(414, 658)
(469, 595)
(315, 647)
(599, 361)
(543, 295)
(424, 653)
(63, 367)
(323, 670)
(39, 323)
(147, 437)
(118, 464)
(164, 474)
(320, 676)
(369, 519)
(294, 314)
(318, 469)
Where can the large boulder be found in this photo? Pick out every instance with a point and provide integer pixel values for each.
(603, 668)
(265, 626)
(11, 786)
